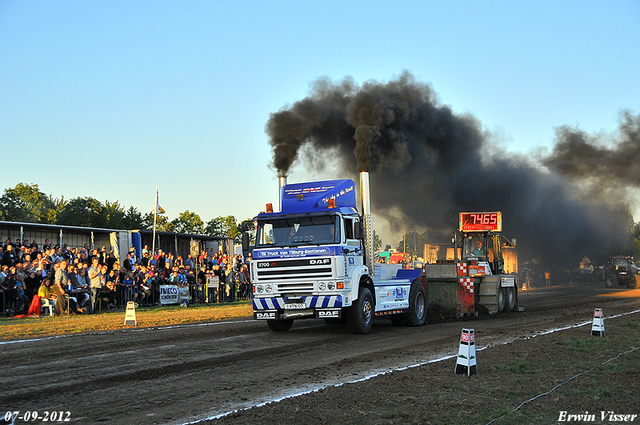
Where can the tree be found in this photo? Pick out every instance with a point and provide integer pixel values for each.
(113, 215)
(188, 222)
(26, 203)
(415, 243)
(86, 212)
(225, 227)
(133, 219)
(214, 227)
(377, 242)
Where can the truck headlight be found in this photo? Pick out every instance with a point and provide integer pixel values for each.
(332, 286)
(322, 286)
(259, 289)
(268, 288)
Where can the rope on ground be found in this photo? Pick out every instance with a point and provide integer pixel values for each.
(565, 382)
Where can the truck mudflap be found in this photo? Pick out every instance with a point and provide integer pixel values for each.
(310, 302)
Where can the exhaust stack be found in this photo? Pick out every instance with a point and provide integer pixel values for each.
(367, 220)
(282, 182)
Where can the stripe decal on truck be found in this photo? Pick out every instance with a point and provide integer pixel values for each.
(277, 303)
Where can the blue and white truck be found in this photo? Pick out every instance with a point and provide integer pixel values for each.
(315, 259)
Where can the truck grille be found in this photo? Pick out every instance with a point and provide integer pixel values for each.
(293, 276)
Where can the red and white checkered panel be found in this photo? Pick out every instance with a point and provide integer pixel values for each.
(467, 283)
(462, 269)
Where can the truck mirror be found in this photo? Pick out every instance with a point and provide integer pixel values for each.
(357, 230)
(245, 242)
(513, 242)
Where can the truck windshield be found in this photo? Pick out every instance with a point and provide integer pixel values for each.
(299, 231)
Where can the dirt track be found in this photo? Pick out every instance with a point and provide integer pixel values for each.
(186, 373)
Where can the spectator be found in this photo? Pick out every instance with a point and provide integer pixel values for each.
(9, 257)
(111, 285)
(45, 290)
(19, 292)
(60, 282)
(128, 263)
(128, 286)
(160, 260)
(82, 286)
(96, 282)
(229, 283)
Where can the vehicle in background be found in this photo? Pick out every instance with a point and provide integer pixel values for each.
(621, 270)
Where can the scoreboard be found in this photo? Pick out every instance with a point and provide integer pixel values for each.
(480, 222)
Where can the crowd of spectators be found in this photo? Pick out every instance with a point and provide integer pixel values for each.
(82, 280)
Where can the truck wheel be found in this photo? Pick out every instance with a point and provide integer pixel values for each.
(610, 280)
(360, 314)
(634, 282)
(280, 325)
(510, 299)
(501, 300)
(417, 314)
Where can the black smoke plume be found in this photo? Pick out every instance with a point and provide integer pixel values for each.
(428, 164)
(609, 160)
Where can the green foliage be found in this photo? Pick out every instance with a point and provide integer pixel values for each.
(214, 227)
(132, 219)
(226, 227)
(113, 214)
(26, 203)
(414, 242)
(86, 212)
(587, 345)
(188, 222)
(377, 242)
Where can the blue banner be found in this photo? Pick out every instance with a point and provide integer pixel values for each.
(316, 251)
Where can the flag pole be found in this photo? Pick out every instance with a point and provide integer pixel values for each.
(155, 216)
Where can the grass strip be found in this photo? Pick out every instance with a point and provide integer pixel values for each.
(35, 327)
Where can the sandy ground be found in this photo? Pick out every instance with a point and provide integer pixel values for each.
(180, 374)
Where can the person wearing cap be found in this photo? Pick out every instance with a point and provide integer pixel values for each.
(479, 250)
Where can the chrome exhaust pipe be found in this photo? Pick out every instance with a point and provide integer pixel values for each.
(282, 182)
(367, 220)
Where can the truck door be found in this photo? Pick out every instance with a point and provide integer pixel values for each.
(352, 245)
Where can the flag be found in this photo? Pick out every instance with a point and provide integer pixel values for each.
(157, 209)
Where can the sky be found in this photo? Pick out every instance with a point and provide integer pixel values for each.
(110, 99)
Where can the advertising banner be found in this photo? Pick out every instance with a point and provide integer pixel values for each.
(172, 294)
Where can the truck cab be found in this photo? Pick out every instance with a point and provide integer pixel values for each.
(310, 261)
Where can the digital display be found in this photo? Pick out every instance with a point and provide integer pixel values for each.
(481, 222)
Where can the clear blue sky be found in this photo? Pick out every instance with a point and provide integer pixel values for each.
(110, 98)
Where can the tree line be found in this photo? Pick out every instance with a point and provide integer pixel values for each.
(28, 204)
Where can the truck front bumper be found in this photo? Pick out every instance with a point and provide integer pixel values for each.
(275, 308)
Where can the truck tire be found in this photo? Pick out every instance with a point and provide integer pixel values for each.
(360, 314)
(509, 299)
(280, 325)
(634, 282)
(417, 314)
(500, 299)
(610, 280)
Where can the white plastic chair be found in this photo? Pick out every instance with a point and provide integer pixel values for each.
(46, 303)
